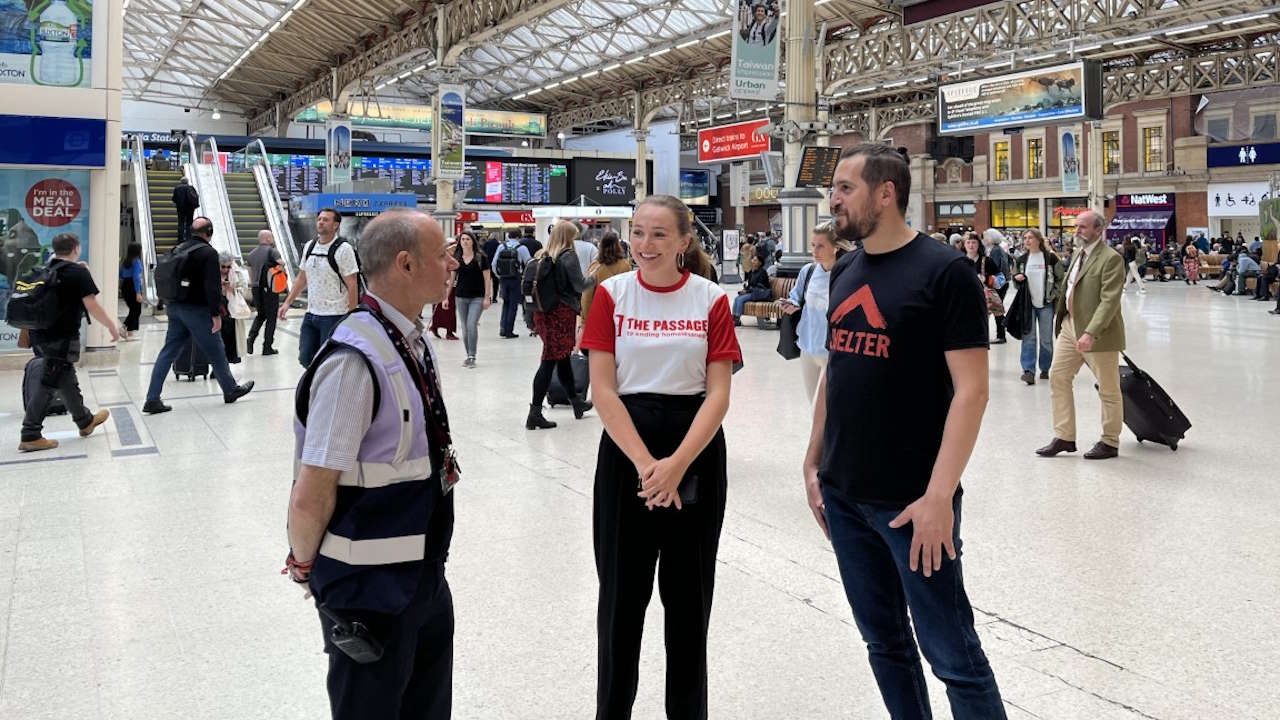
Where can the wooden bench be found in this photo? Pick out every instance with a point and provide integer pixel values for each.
(768, 312)
(1211, 265)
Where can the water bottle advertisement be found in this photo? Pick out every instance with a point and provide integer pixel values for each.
(46, 42)
(36, 205)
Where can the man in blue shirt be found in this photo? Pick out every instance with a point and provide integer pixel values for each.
(1246, 267)
(508, 267)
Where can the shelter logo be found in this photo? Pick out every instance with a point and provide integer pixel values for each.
(860, 342)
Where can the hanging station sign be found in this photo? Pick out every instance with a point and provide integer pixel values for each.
(739, 141)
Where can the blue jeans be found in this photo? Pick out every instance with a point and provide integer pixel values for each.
(315, 330)
(509, 288)
(741, 301)
(1042, 323)
(469, 310)
(191, 323)
(878, 581)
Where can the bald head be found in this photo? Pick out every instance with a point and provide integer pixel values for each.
(266, 238)
(1088, 226)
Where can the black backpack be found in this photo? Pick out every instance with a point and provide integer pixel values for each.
(332, 256)
(508, 264)
(538, 286)
(171, 272)
(34, 302)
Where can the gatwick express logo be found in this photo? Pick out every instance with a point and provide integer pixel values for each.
(860, 342)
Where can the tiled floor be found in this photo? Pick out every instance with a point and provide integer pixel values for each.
(139, 568)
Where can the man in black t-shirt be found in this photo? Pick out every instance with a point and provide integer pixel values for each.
(896, 418)
(59, 347)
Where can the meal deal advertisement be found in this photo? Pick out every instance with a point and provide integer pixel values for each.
(1024, 98)
(740, 141)
(36, 205)
(46, 42)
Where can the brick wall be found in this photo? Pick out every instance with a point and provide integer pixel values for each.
(1192, 211)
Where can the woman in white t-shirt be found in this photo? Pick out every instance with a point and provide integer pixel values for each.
(662, 349)
(1038, 272)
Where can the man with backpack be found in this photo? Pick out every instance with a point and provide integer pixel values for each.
(189, 280)
(508, 266)
(330, 273)
(265, 271)
(58, 298)
(186, 199)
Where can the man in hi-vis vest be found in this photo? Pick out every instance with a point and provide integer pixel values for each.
(371, 512)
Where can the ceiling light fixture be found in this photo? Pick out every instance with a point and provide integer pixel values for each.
(216, 115)
(1185, 30)
(722, 33)
(1038, 58)
(870, 88)
(551, 86)
(612, 67)
(724, 116)
(524, 143)
(420, 68)
(1132, 40)
(1088, 48)
(593, 73)
(900, 83)
(663, 51)
(633, 60)
(687, 43)
(521, 96)
(1247, 18)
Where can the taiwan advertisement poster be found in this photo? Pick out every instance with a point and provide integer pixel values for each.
(46, 42)
(449, 147)
(337, 150)
(1024, 98)
(1070, 162)
(36, 205)
(756, 50)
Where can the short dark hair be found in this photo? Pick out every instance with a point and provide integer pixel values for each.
(64, 243)
(513, 234)
(337, 216)
(610, 249)
(882, 164)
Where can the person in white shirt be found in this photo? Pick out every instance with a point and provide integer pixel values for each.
(809, 297)
(587, 251)
(1038, 272)
(328, 273)
(662, 348)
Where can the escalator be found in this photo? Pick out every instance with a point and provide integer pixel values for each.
(246, 209)
(164, 216)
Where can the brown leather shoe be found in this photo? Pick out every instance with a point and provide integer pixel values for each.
(1102, 451)
(1055, 447)
(98, 418)
(37, 444)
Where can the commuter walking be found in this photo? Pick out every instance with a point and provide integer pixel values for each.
(235, 309)
(490, 248)
(508, 266)
(58, 347)
(131, 288)
(1090, 331)
(186, 200)
(471, 287)
(196, 319)
(809, 298)
(329, 273)
(1130, 251)
(896, 419)
(558, 300)
(262, 261)
(1191, 265)
(662, 348)
(992, 239)
(373, 553)
(988, 271)
(587, 252)
(1039, 273)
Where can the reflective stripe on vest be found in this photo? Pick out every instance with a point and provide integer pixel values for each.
(378, 551)
(376, 475)
(388, 356)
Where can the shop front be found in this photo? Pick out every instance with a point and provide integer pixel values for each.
(1233, 208)
(1060, 216)
(1147, 215)
(1014, 217)
(954, 216)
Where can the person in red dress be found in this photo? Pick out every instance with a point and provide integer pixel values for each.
(558, 300)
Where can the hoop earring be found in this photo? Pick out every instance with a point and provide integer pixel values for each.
(680, 260)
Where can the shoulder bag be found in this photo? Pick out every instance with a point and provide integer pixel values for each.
(789, 325)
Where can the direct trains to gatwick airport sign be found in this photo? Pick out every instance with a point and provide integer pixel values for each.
(740, 141)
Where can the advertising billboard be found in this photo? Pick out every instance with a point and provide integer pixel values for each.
(449, 139)
(695, 186)
(1029, 97)
(36, 205)
(739, 141)
(1070, 162)
(500, 123)
(604, 182)
(46, 43)
(753, 69)
(337, 150)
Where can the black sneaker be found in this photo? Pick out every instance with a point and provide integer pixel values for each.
(1044, 374)
(270, 351)
(239, 392)
(1029, 377)
(155, 407)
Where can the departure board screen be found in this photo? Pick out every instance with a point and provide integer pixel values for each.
(818, 166)
(487, 181)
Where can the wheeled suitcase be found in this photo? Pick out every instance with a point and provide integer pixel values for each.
(1148, 410)
(581, 378)
(31, 375)
(191, 362)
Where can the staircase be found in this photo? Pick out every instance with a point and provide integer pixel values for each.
(164, 216)
(246, 209)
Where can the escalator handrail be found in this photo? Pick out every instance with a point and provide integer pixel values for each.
(273, 208)
(142, 212)
(233, 240)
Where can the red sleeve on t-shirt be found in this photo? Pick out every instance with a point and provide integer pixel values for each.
(722, 342)
(599, 332)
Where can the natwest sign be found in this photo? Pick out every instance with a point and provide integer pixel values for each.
(740, 141)
(1149, 201)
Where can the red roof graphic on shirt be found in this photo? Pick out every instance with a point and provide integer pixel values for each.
(861, 298)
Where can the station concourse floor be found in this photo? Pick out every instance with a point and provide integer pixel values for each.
(139, 569)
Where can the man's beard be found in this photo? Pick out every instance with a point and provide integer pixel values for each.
(856, 229)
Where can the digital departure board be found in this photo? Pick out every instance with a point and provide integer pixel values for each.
(818, 166)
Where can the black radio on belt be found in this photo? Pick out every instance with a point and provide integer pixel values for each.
(353, 639)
